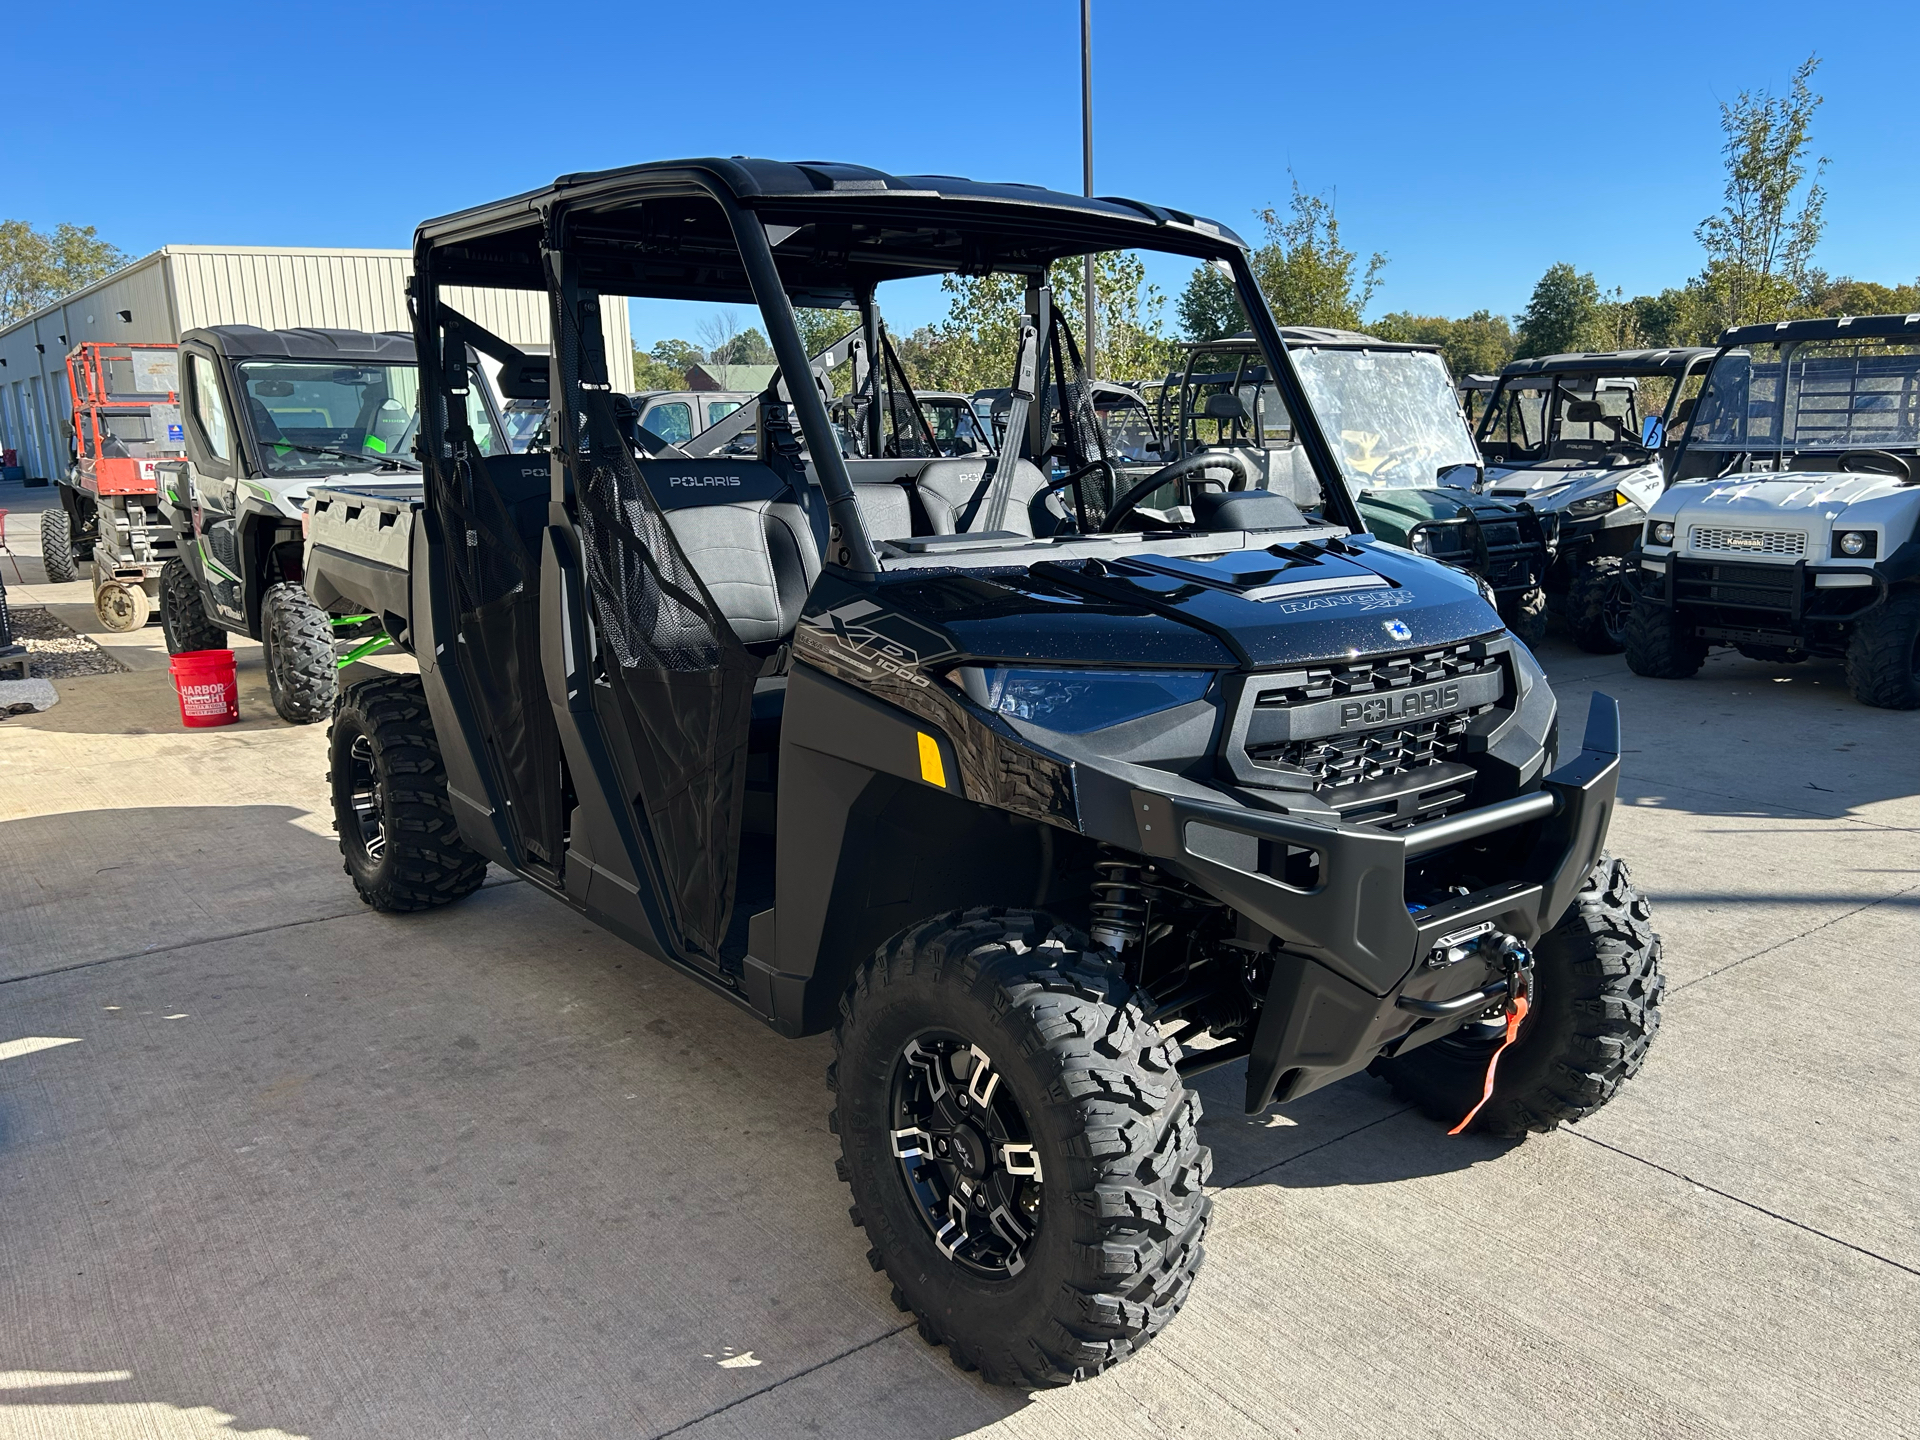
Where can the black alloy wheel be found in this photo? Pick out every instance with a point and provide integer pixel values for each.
(366, 798)
(966, 1157)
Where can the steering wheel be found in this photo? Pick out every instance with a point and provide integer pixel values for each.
(1876, 462)
(1245, 475)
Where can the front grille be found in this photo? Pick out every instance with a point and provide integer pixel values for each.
(1376, 754)
(1382, 674)
(1720, 540)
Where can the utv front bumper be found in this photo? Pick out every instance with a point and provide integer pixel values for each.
(1357, 972)
(1732, 602)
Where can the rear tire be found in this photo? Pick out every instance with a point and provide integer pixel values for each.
(183, 618)
(1525, 614)
(398, 837)
(56, 546)
(1114, 1209)
(298, 639)
(1883, 653)
(1659, 648)
(1597, 993)
(1599, 605)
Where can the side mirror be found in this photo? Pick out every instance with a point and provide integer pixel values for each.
(1652, 435)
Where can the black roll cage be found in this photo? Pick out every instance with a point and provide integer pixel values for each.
(1790, 335)
(1691, 361)
(487, 247)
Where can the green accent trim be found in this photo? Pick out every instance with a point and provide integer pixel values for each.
(208, 561)
(364, 648)
(376, 444)
(339, 620)
(261, 491)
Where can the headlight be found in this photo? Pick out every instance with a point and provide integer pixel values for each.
(1486, 592)
(1660, 532)
(1076, 701)
(1598, 504)
(1441, 541)
(1856, 544)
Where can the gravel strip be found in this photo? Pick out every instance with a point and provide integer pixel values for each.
(58, 653)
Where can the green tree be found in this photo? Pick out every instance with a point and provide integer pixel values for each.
(1306, 274)
(1478, 344)
(664, 367)
(749, 347)
(37, 268)
(1563, 314)
(1847, 296)
(972, 347)
(1209, 307)
(1759, 246)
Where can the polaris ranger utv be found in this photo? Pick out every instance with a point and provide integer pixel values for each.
(1790, 528)
(1403, 447)
(1585, 440)
(1040, 805)
(269, 414)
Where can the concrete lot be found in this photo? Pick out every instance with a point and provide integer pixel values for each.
(273, 1165)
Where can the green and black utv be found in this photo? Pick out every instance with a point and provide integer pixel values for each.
(1392, 415)
(1041, 803)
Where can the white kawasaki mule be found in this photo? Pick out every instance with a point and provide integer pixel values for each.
(1789, 528)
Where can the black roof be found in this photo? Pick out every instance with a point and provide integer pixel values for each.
(1669, 361)
(357, 347)
(662, 228)
(1840, 327)
(1319, 337)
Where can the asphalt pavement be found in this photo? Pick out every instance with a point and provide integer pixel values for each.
(274, 1165)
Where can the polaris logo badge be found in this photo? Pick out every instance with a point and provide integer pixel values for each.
(732, 482)
(1378, 709)
(1397, 629)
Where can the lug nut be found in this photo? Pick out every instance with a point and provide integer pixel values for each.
(941, 1146)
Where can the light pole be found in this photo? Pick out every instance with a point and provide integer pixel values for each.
(1086, 155)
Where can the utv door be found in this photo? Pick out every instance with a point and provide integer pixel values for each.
(214, 463)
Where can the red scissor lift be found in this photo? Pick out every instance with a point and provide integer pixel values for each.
(126, 419)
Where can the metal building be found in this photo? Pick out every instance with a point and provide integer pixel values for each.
(176, 288)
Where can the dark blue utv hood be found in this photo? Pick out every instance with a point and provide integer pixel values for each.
(1256, 608)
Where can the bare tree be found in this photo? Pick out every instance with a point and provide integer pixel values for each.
(718, 332)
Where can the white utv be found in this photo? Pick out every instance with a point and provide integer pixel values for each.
(1586, 440)
(1789, 529)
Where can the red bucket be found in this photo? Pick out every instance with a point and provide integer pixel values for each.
(209, 695)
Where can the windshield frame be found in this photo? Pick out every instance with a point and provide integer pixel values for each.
(1779, 450)
(319, 457)
(1361, 481)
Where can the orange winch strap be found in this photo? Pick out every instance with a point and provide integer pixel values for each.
(1515, 1014)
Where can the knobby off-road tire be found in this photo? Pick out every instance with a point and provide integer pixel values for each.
(397, 832)
(297, 637)
(1596, 1008)
(1525, 614)
(1660, 649)
(1121, 1207)
(56, 546)
(1883, 653)
(1599, 605)
(183, 619)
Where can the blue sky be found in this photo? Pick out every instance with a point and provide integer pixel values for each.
(1474, 145)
